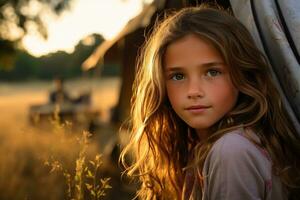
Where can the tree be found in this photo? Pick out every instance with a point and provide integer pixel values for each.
(18, 17)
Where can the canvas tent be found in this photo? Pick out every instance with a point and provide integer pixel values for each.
(275, 26)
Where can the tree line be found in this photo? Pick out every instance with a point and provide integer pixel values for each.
(63, 64)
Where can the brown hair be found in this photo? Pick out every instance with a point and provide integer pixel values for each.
(158, 143)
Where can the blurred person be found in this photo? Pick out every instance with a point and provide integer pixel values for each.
(59, 94)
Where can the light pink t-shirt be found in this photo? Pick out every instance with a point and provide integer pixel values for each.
(237, 169)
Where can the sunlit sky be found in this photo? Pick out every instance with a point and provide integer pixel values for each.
(105, 17)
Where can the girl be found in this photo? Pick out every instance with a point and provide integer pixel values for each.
(207, 120)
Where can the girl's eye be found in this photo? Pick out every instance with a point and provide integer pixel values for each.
(213, 73)
(177, 77)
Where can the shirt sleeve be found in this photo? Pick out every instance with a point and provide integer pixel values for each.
(235, 169)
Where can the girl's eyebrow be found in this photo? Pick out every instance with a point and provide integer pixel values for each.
(203, 65)
(171, 69)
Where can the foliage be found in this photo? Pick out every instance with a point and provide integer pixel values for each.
(66, 65)
(18, 17)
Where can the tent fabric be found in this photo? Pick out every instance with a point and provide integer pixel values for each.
(275, 27)
(290, 11)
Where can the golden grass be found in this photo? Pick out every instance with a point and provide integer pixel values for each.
(24, 149)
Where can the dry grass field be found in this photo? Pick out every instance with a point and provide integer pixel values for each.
(35, 162)
(15, 98)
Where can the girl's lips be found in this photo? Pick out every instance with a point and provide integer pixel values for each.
(197, 109)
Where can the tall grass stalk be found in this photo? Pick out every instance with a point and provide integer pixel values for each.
(85, 183)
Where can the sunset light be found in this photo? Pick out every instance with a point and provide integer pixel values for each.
(85, 18)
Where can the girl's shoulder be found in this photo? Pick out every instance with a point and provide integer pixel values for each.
(238, 168)
(238, 143)
(236, 146)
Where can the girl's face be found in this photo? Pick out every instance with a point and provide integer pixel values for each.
(198, 83)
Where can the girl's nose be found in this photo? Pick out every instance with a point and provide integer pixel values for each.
(195, 95)
(195, 90)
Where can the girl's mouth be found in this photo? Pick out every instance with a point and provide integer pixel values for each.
(197, 108)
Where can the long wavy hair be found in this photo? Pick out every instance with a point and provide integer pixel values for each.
(160, 142)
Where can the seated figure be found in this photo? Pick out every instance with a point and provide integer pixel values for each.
(59, 95)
